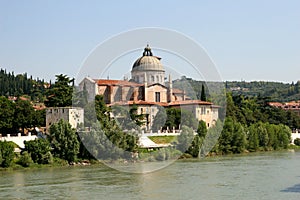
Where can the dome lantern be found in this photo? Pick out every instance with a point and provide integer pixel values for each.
(149, 65)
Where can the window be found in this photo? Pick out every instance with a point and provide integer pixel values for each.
(142, 110)
(157, 96)
(152, 78)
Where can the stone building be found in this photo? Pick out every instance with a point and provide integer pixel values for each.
(148, 90)
(73, 115)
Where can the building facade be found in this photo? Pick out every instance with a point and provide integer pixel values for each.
(148, 90)
(74, 116)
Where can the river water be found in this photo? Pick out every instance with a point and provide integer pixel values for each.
(271, 175)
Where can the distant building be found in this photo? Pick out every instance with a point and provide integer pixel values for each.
(73, 115)
(148, 90)
(293, 106)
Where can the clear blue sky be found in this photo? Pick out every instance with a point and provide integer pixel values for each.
(249, 40)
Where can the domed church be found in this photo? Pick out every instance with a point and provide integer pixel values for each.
(148, 90)
(148, 68)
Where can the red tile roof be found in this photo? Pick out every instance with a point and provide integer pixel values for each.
(174, 103)
(139, 102)
(177, 91)
(116, 82)
(189, 102)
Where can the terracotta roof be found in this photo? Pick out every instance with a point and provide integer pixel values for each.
(174, 103)
(175, 90)
(287, 106)
(189, 102)
(139, 102)
(116, 82)
(275, 104)
(156, 84)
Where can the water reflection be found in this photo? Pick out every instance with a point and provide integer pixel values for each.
(295, 188)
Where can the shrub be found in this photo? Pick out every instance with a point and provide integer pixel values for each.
(25, 159)
(297, 141)
(7, 154)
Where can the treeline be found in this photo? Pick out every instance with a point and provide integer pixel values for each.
(21, 84)
(104, 140)
(17, 115)
(275, 91)
(250, 110)
(233, 138)
(250, 125)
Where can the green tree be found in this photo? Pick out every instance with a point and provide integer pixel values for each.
(185, 138)
(40, 151)
(39, 118)
(187, 118)
(138, 119)
(226, 137)
(238, 142)
(211, 141)
(202, 129)
(60, 94)
(159, 119)
(195, 146)
(119, 143)
(203, 95)
(80, 98)
(64, 141)
(6, 115)
(127, 119)
(6, 153)
(253, 138)
(173, 118)
(297, 141)
(25, 159)
(24, 114)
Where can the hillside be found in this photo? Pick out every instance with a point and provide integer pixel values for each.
(273, 91)
(20, 84)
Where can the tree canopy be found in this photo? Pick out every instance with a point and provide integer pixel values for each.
(61, 92)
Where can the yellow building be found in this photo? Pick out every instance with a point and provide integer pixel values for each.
(148, 90)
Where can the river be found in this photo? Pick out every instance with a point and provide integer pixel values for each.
(271, 175)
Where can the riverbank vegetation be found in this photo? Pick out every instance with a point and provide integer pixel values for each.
(250, 125)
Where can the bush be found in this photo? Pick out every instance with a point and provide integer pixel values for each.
(297, 141)
(7, 154)
(25, 159)
(39, 150)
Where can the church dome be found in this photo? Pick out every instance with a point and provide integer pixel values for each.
(148, 62)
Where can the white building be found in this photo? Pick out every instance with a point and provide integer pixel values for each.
(73, 115)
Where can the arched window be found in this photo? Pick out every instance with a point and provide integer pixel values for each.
(152, 78)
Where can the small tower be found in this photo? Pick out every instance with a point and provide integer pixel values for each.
(170, 89)
(145, 86)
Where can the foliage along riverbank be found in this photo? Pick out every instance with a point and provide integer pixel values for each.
(250, 126)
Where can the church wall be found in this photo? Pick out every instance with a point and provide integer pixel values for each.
(150, 111)
(152, 77)
(157, 88)
(90, 86)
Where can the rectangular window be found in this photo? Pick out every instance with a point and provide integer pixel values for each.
(157, 96)
(202, 111)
